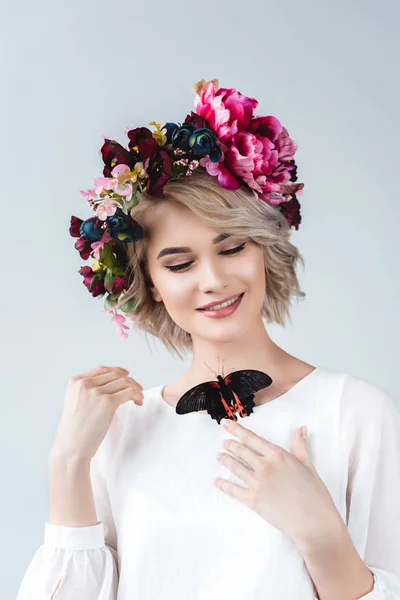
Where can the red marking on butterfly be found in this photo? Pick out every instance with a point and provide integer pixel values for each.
(226, 396)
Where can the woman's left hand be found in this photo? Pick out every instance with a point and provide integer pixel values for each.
(283, 488)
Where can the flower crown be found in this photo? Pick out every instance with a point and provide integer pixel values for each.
(224, 136)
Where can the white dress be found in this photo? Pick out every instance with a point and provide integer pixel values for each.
(165, 532)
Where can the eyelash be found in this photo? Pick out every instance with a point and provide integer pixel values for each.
(179, 268)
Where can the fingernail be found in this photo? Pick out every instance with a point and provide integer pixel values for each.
(304, 432)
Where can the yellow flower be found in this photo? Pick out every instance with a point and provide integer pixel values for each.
(139, 170)
(201, 85)
(158, 135)
(97, 265)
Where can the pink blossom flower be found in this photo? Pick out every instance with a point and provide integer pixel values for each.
(101, 184)
(122, 178)
(88, 194)
(107, 208)
(119, 319)
(97, 245)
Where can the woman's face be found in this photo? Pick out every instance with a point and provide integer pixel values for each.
(209, 272)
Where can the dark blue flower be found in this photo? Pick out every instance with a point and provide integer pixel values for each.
(123, 228)
(90, 230)
(171, 128)
(180, 137)
(203, 143)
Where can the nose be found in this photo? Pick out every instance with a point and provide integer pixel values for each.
(212, 278)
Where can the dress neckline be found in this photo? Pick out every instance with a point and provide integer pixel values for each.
(160, 388)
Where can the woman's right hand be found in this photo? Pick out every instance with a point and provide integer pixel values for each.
(90, 402)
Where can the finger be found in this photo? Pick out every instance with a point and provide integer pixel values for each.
(234, 490)
(251, 457)
(101, 369)
(250, 438)
(244, 473)
(135, 384)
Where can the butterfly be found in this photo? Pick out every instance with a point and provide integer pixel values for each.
(226, 396)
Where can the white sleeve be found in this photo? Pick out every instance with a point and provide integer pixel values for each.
(76, 562)
(370, 429)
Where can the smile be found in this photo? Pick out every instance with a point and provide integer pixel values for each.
(224, 309)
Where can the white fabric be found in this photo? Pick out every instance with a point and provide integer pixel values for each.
(165, 532)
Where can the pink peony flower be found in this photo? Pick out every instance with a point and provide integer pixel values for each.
(226, 110)
(225, 177)
(256, 149)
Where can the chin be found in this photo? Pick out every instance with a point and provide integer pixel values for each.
(221, 334)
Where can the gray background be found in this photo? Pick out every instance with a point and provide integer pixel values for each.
(71, 72)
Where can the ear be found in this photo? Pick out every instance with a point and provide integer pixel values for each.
(153, 290)
(155, 293)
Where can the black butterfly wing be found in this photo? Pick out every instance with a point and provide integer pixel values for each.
(247, 382)
(208, 395)
(204, 396)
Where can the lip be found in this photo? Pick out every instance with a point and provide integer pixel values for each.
(221, 313)
(218, 301)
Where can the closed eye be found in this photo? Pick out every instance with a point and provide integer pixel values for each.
(181, 267)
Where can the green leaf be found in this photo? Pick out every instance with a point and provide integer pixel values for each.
(108, 258)
(109, 280)
(129, 305)
(111, 301)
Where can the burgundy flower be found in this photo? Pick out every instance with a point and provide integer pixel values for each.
(196, 120)
(120, 284)
(83, 244)
(159, 169)
(93, 281)
(84, 248)
(114, 154)
(291, 210)
(74, 229)
(142, 138)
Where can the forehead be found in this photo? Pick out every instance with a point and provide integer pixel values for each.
(170, 220)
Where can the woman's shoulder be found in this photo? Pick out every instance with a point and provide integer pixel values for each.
(356, 409)
(363, 395)
(361, 401)
(355, 390)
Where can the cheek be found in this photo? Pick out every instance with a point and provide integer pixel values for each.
(250, 271)
(253, 268)
(174, 289)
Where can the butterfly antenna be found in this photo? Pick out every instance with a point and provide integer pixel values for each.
(210, 368)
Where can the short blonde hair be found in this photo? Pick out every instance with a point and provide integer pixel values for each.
(227, 211)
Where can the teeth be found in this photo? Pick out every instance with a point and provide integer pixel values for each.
(217, 306)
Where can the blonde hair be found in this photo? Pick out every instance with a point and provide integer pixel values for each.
(227, 211)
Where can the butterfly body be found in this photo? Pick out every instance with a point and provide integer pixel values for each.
(226, 396)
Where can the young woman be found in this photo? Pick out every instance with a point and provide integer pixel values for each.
(135, 512)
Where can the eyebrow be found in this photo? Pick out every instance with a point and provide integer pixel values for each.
(178, 249)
